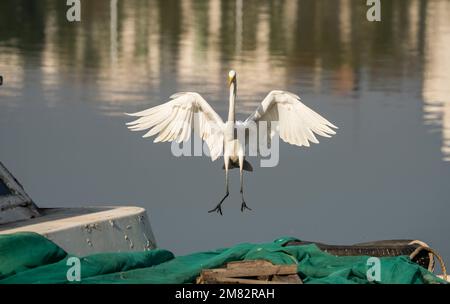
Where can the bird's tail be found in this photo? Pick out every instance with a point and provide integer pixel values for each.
(246, 167)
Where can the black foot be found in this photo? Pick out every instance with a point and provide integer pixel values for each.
(218, 209)
(244, 206)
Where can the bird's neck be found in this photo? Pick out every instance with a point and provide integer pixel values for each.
(231, 116)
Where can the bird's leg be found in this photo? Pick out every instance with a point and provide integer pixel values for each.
(218, 208)
(241, 173)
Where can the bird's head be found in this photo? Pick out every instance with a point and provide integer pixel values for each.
(231, 77)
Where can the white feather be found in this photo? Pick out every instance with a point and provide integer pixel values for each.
(296, 122)
(173, 121)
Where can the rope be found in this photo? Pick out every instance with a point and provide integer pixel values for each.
(432, 253)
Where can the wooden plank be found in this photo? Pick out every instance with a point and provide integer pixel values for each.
(252, 271)
(223, 280)
(248, 263)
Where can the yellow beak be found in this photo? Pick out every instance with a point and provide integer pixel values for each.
(230, 80)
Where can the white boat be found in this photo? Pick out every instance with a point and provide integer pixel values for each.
(79, 231)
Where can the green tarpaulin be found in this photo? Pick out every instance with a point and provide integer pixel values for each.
(31, 258)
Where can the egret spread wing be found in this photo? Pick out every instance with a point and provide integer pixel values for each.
(175, 120)
(296, 122)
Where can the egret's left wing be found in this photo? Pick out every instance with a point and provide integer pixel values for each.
(296, 122)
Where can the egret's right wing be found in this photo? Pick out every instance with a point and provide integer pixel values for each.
(175, 119)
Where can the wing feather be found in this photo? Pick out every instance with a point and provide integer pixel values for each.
(175, 120)
(297, 123)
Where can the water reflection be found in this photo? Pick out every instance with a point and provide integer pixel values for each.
(129, 50)
(436, 80)
(273, 39)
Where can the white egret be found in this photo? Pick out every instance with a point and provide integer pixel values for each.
(175, 120)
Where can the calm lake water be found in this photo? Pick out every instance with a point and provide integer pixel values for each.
(385, 175)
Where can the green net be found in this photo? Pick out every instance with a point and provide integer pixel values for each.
(30, 258)
(22, 251)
